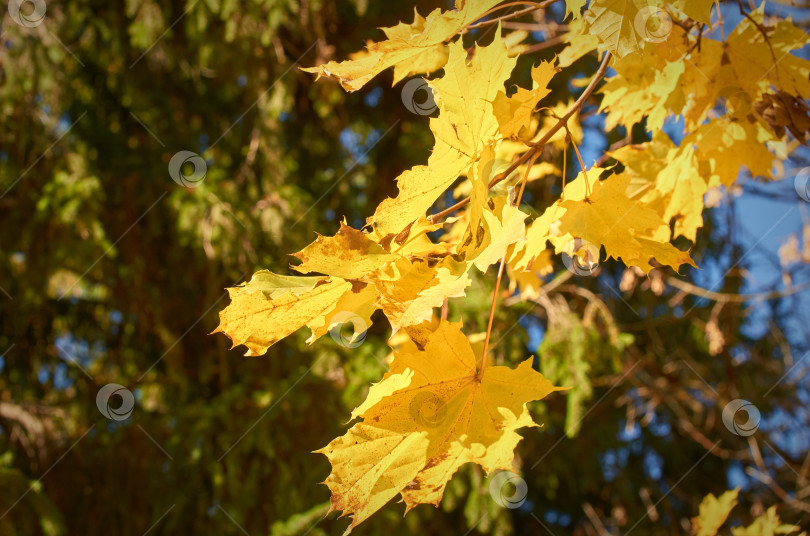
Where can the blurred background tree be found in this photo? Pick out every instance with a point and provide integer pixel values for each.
(111, 272)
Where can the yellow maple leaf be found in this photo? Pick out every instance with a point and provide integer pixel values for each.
(699, 10)
(528, 282)
(580, 42)
(740, 70)
(609, 218)
(412, 240)
(515, 113)
(574, 7)
(726, 145)
(524, 254)
(350, 254)
(623, 26)
(464, 127)
(432, 412)
(641, 89)
(270, 307)
(427, 58)
(410, 48)
(758, 63)
(668, 179)
(713, 513)
(612, 22)
(355, 308)
(682, 188)
(768, 524)
(503, 225)
(479, 176)
(411, 287)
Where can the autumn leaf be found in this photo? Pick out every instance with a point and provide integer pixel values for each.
(713, 513)
(727, 145)
(432, 412)
(574, 7)
(758, 64)
(740, 70)
(642, 88)
(413, 240)
(580, 42)
(479, 176)
(354, 307)
(623, 26)
(350, 254)
(608, 217)
(411, 287)
(668, 179)
(768, 524)
(465, 126)
(415, 48)
(514, 113)
(503, 225)
(270, 307)
(612, 21)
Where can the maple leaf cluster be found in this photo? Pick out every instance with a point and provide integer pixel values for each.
(440, 405)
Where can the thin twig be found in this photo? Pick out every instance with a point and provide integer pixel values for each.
(735, 298)
(534, 6)
(548, 43)
(777, 489)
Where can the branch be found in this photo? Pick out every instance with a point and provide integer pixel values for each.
(548, 43)
(534, 7)
(735, 298)
(562, 121)
(777, 489)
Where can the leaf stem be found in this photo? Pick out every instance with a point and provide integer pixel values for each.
(491, 317)
(500, 273)
(581, 163)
